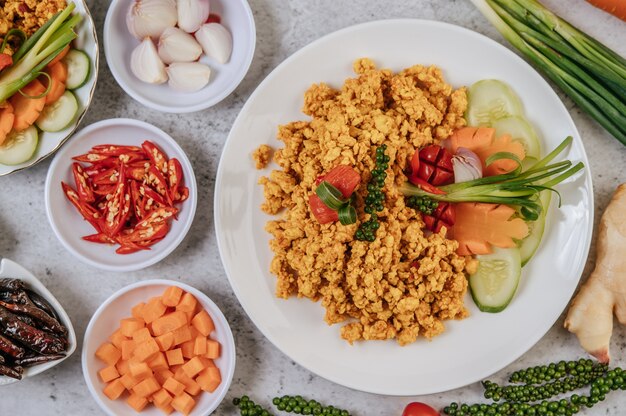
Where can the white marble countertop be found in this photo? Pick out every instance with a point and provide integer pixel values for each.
(262, 371)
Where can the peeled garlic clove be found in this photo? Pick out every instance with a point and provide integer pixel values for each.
(146, 64)
(192, 14)
(151, 17)
(216, 41)
(178, 46)
(188, 76)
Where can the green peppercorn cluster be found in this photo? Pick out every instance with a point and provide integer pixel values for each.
(249, 408)
(529, 399)
(423, 204)
(375, 197)
(301, 406)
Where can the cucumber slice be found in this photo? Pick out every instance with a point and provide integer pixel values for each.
(59, 114)
(19, 146)
(521, 130)
(495, 282)
(78, 68)
(529, 245)
(490, 100)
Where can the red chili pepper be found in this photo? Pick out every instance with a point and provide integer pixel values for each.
(136, 200)
(90, 157)
(103, 190)
(107, 177)
(156, 155)
(88, 212)
(137, 170)
(425, 186)
(432, 164)
(113, 149)
(143, 236)
(151, 199)
(117, 208)
(131, 157)
(156, 180)
(174, 177)
(85, 192)
(99, 238)
(183, 194)
(444, 215)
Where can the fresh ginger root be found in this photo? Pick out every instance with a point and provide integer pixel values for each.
(590, 315)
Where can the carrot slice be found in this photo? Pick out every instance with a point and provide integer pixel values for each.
(27, 109)
(7, 118)
(58, 76)
(479, 225)
(60, 56)
(482, 141)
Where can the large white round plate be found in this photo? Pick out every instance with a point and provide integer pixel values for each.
(49, 142)
(469, 350)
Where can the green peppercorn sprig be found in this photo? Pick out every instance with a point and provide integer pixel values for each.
(249, 408)
(374, 201)
(301, 406)
(423, 204)
(518, 401)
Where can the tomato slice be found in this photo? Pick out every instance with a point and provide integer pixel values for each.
(419, 409)
(322, 213)
(342, 177)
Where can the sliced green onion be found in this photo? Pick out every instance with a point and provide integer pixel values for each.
(330, 196)
(347, 214)
(592, 75)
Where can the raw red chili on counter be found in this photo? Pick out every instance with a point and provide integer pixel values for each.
(127, 194)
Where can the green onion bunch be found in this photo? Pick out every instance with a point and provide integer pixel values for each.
(301, 406)
(423, 204)
(519, 188)
(542, 383)
(249, 408)
(592, 75)
(374, 201)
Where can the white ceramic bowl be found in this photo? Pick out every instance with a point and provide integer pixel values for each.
(106, 320)
(119, 43)
(68, 224)
(9, 268)
(49, 142)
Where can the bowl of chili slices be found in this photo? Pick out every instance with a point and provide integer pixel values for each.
(121, 195)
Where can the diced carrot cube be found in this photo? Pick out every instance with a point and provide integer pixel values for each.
(194, 332)
(172, 295)
(165, 341)
(137, 310)
(184, 403)
(129, 381)
(153, 310)
(145, 350)
(140, 370)
(208, 362)
(209, 379)
(116, 339)
(163, 375)
(212, 349)
(175, 357)
(122, 367)
(142, 335)
(193, 367)
(203, 323)
(158, 362)
(137, 402)
(188, 348)
(129, 326)
(161, 398)
(108, 373)
(127, 349)
(191, 386)
(168, 323)
(108, 353)
(114, 389)
(200, 345)
(174, 386)
(168, 409)
(147, 387)
(187, 303)
(182, 334)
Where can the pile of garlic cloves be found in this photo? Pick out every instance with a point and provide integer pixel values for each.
(174, 34)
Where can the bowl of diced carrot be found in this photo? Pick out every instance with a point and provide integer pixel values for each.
(158, 347)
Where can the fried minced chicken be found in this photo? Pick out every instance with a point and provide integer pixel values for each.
(405, 283)
(26, 15)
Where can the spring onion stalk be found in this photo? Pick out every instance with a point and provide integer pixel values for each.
(517, 188)
(38, 51)
(592, 75)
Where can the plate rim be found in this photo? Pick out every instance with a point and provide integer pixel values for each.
(531, 341)
(81, 116)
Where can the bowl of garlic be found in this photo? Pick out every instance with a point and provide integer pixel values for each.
(179, 56)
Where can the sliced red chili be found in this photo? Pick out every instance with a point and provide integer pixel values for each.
(144, 235)
(117, 208)
(427, 187)
(85, 192)
(131, 157)
(107, 177)
(183, 194)
(99, 238)
(156, 155)
(151, 199)
(136, 200)
(103, 190)
(174, 177)
(90, 157)
(88, 212)
(137, 170)
(113, 149)
(157, 181)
